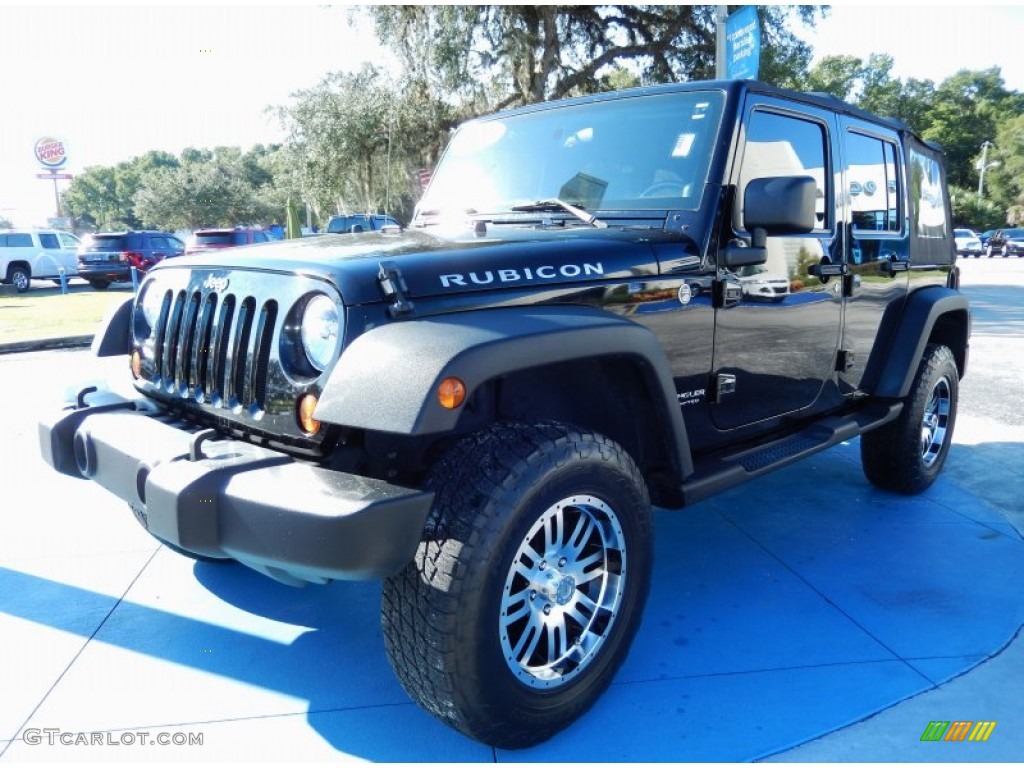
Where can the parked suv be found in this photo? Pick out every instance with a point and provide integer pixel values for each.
(482, 408)
(36, 254)
(108, 257)
(359, 222)
(214, 239)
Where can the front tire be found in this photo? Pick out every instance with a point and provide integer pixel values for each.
(528, 586)
(907, 454)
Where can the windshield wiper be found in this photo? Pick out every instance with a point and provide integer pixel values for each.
(554, 204)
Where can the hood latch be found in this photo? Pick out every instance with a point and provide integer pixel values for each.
(393, 286)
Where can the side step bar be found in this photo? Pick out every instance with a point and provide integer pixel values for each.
(717, 472)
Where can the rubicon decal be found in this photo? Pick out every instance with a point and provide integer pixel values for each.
(520, 274)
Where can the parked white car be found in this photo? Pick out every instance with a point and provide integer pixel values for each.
(760, 284)
(967, 243)
(36, 254)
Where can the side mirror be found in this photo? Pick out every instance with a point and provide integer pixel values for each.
(780, 205)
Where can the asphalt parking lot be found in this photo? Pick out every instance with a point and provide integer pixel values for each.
(803, 617)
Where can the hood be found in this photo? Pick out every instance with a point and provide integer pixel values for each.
(435, 265)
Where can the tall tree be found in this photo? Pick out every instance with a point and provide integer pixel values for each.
(496, 56)
(1005, 181)
(359, 137)
(966, 111)
(200, 194)
(101, 197)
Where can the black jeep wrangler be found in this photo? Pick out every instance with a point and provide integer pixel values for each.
(482, 408)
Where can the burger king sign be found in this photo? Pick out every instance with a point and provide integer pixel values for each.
(50, 152)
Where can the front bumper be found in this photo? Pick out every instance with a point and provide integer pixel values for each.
(215, 497)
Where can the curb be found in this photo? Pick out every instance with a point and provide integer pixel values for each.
(36, 345)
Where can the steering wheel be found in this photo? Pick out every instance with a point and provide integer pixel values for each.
(665, 189)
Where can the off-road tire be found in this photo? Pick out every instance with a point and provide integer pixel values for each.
(907, 454)
(449, 619)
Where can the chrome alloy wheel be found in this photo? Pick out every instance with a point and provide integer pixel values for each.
(935, 422)
(563, 592)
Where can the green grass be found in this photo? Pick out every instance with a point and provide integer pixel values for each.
(45, 313)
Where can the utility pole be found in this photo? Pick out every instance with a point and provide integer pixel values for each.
(721, 15)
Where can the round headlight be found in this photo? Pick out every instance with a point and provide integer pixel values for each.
(320, 329)
(147, 311)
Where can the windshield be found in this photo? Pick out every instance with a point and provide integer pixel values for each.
(638, 153)
(219, 238)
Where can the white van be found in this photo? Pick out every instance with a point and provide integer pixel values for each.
(36, 254)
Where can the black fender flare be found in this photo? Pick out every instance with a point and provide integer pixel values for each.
(387, 378)
(893, 376)
(114, 337)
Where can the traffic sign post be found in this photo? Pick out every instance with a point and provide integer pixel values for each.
(743, 44)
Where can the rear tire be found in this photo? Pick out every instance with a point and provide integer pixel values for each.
(528, 586)
(20, 278)
(907, 454)
(99, 285)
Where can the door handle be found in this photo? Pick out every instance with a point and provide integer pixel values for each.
(892, 264)
(826, 269)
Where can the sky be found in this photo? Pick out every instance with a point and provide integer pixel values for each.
(114, 81)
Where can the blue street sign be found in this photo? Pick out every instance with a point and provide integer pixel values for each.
(742, 44)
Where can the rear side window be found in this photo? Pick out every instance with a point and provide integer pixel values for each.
(241, 238)
(874, 184)
(926, 193)
(48, 240)
(19, 240)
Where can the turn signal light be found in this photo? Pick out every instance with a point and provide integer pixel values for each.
(136, 362)
(307, 404)
(451, 393)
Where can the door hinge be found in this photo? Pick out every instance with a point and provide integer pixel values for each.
(844, 360)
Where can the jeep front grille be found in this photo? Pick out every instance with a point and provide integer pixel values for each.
(215, 348)
(220, 343)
